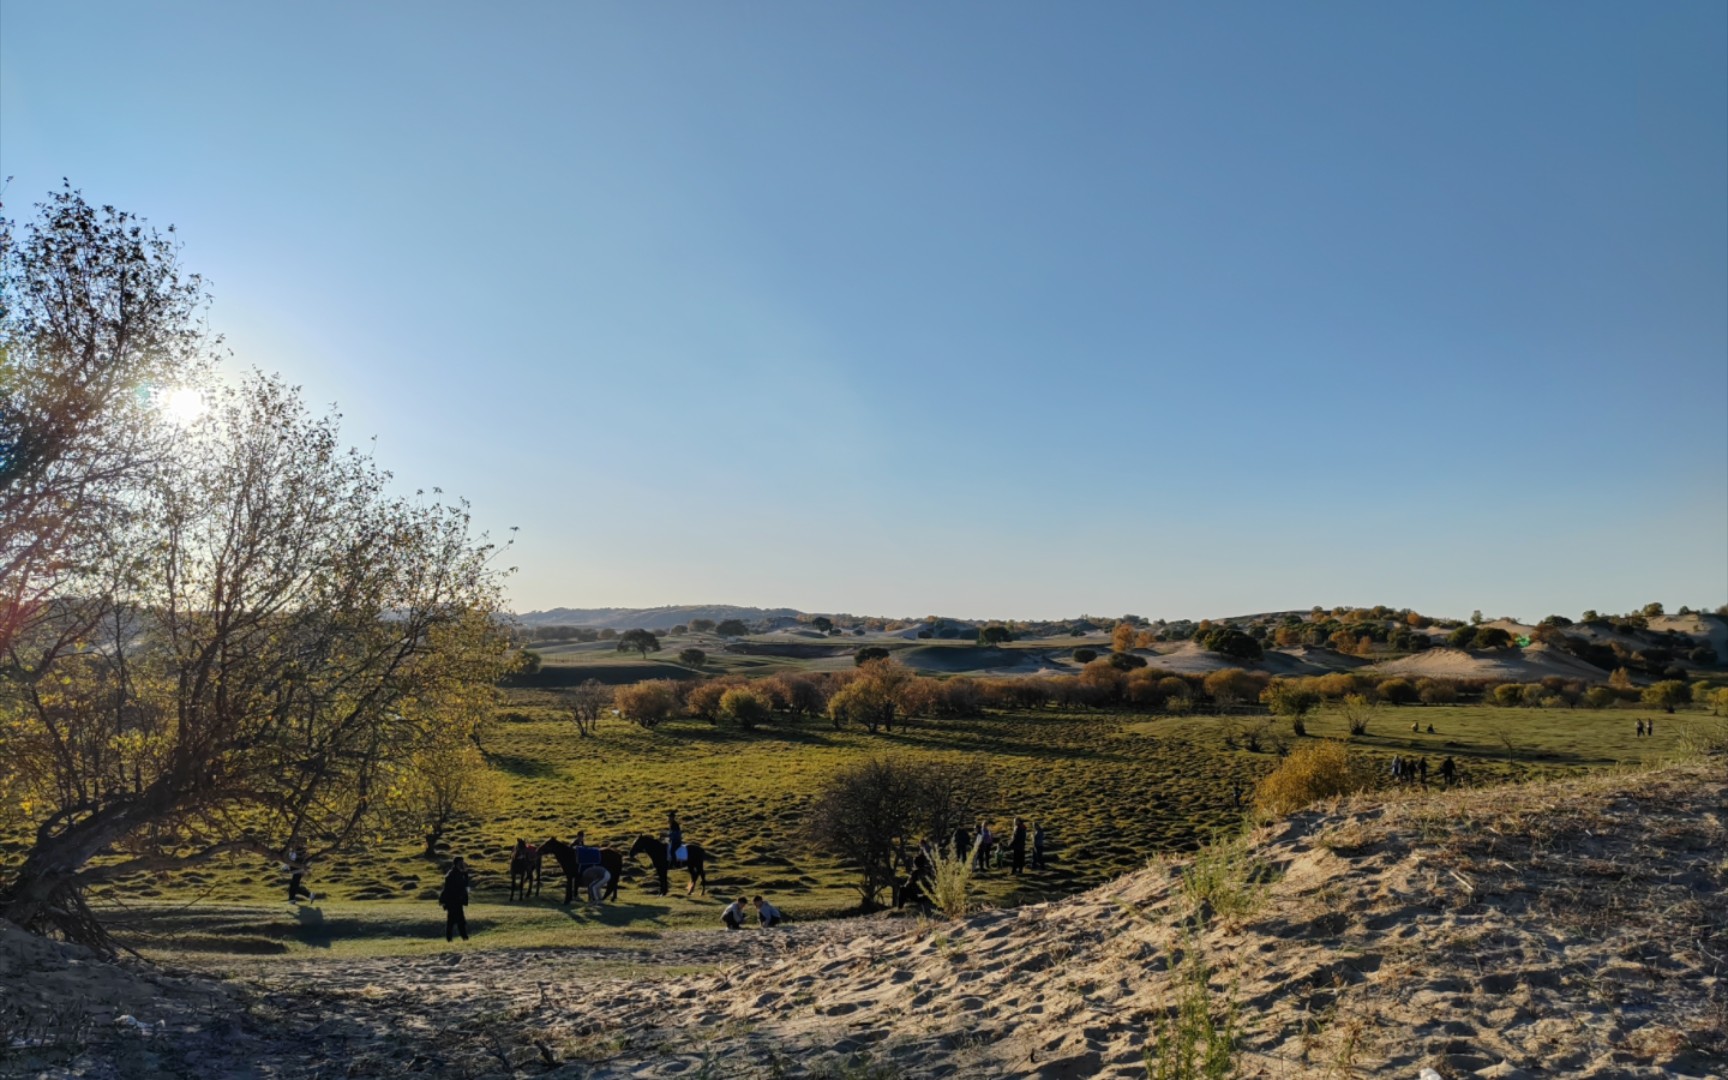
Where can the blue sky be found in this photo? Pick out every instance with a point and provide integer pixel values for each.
(980, 309)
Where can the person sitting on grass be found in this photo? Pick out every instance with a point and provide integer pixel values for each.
(767, 914)
(454, 898)
(733, 916)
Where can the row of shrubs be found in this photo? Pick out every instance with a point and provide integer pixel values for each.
(885, 692)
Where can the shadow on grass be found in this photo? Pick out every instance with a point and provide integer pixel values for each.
(526, 768)
(770, 733)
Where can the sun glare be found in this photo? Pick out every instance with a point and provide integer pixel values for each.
(183, 405)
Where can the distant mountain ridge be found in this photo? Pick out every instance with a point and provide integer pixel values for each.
(656, 618)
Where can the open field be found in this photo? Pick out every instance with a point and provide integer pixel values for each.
(1112, 788)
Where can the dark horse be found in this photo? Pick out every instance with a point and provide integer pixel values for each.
(655, 849)
(566, 856)
(524, 870)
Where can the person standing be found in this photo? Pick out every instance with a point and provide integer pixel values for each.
(454, 898)
(1038, 846)
(1448, 772)
(1017, 848)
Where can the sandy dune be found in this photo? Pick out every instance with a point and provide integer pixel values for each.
(1529, 664)
(1575, 928)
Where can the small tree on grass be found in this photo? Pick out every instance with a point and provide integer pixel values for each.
(649, 703)
(869, 654)
(1358, 712)
(744, 707)
(446, 781)
(639, 641)
(692, 657)
(1667, 694)
(732, 628)
(864, 809)
(1085, 656)
(1285, 697)
(585, 704)
(994, 634)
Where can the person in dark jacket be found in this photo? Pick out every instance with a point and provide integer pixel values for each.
(454, 898)
(295, 868)
(1017, 847)
(674, 838)
(1038, 846)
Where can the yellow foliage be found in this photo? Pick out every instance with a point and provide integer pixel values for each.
(1321, 770)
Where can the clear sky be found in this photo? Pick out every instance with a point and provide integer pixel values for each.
(980, 309)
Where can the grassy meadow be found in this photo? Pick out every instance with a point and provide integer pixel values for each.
(1112, 789)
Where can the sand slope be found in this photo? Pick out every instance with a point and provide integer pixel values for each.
(1530, 664)
(1573, 928)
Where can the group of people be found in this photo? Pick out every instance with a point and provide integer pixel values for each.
(979, 844)
(985, 847)
(1646, 728)
(1408, 771)
(767, 915)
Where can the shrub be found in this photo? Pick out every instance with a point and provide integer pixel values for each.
(1436, 691)
(692, 657)
(1321, 770)
(1667, 693)
(1228, 641)
(951, 880)
(1719, 702)
(1123, 661)
(1600, 697)
(703, 700)
(1358, 712)
(1233, 685)
(1397, 692)
(647, 703)
(1290, 697)
(1085, 656)
(869, 653)
(744, 707)
(1492, 637)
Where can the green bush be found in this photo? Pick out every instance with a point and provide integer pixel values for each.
(1397, 692)
(744, 707)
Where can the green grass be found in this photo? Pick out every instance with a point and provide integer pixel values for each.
(1112, 789)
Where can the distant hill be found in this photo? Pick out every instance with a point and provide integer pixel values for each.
(658, 618)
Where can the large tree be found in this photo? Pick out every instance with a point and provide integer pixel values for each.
(260, 641)
(98, 324)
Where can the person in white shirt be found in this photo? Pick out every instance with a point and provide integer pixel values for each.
(767, 914)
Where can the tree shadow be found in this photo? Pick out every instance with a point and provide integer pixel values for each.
(526, 768)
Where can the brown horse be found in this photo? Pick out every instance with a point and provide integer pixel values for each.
(566, 856)
(695, 861)
(524, 870)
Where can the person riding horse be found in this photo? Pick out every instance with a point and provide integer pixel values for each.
(674, 840)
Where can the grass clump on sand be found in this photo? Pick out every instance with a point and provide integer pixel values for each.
(1197, 1039)
(1322, 770)
(951, 881)
(1224, 879)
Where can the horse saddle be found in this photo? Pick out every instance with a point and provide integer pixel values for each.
(587, 856)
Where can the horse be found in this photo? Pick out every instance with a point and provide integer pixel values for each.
(695, 861)
(566, 856)
(524, 870)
